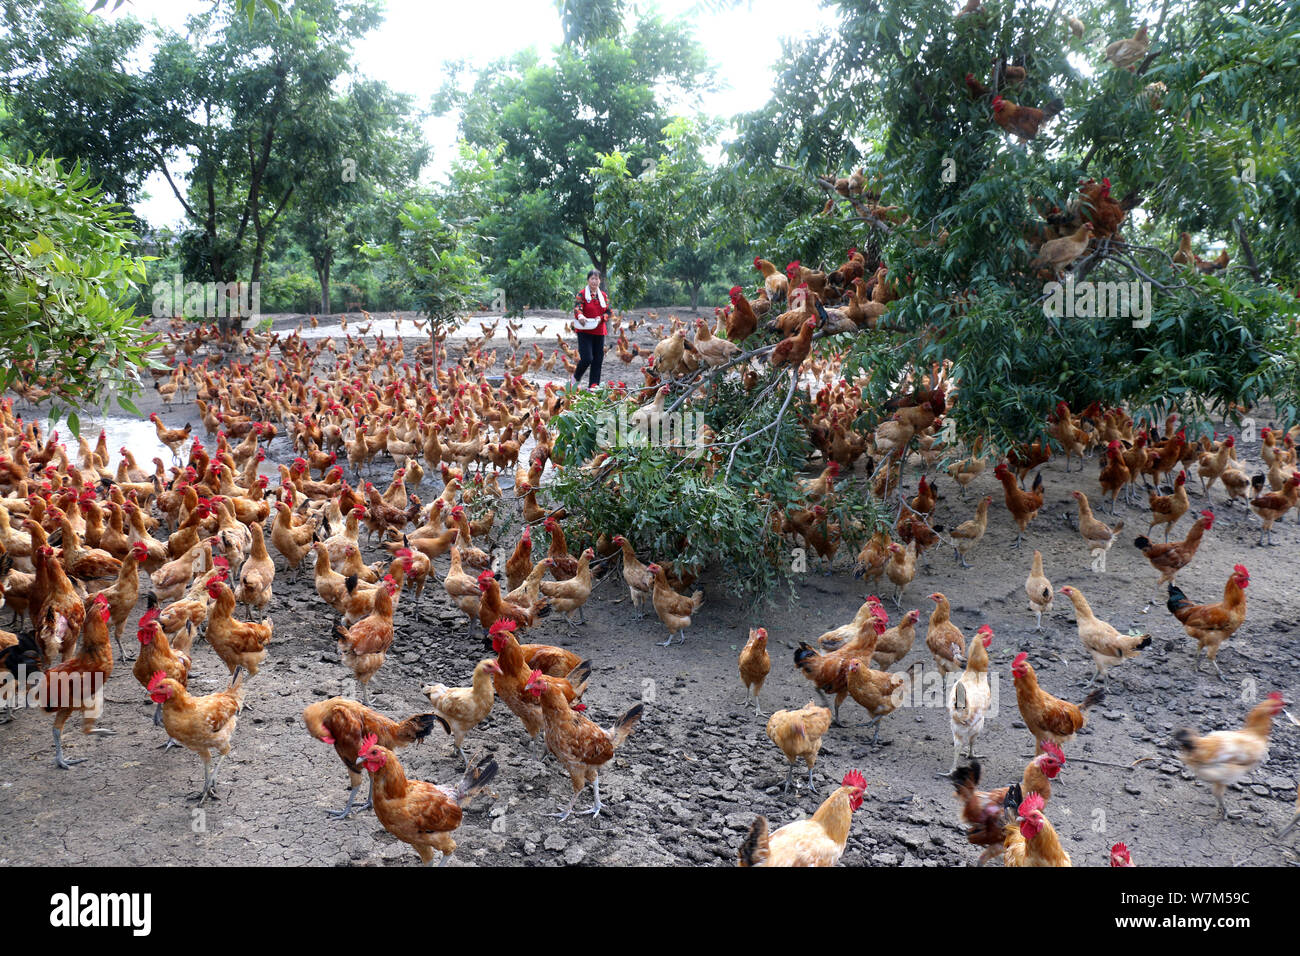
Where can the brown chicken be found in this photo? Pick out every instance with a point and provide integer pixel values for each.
(237, 643)
(581, 746)
(344, 723)
(76, 685)
(674, 609)
(201, 724)
(420, 814)
(799, 735)
(1210, 625)
(982, 812)
(754, 665)
(1045, 716)
(1023, 505)
(1171, 557)
(364, 646)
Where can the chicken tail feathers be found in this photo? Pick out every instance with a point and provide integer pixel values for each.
(480, 774)
(966, 778)
(578, 678)
(1185, 739)
(623, 729)
(1178, 603)
(753, 849)
(1093, 699)
(420, 726)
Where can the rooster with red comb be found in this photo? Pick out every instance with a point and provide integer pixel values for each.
(817, 841)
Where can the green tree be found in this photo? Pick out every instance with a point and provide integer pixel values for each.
(885, 90)
(553, 120)
(66, 283)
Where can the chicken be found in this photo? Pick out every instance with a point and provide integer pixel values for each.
(637, 576)
(463, 708)
(294, 542)
(123, 594)
(420, 814)
(1115, 474)
(944, 640)
(967, 535)
(581, 746)
(1210, 625)
(1211, 465)
(742, 320)
(982, 812)
(968, 701)
(237, 643)
(776, 284)
(901, 568)
(1056, 254)
(156, 654)
(569, 596)
(713, 352)
(1039, 590)
(896, 643)
(754, 665)
(1106, 645)
(1031, 839)
(515, 672)
(1128, 53)
(799, 735)
(1273, 506)
(878, 692)
(1226, 756)
(674, 609)
(257, 574)
(1023, 505)
(1097, 535)
(828, 671)
(344, 723)
(817, 841)
(462, 588)
(364, 646)
(1047, 717)
(793, 350)
(1167, 509)
(493, 607)
(520, 562)
(1171, 557)
(1024, 121)
(201, 724)
(76, 685)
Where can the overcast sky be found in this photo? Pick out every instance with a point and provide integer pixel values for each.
(418, 37)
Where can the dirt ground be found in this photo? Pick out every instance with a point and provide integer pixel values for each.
(687, 784)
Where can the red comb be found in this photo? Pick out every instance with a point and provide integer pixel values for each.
(158, 678)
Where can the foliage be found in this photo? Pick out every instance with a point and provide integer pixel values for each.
(711, 509)
(66, 279)
(430, 258)
(1211, 157)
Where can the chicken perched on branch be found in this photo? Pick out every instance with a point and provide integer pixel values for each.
(817, 841)
(1024, 121)
(1210, 625)
(1226, 756)
(1056, 254)
(1128, 53)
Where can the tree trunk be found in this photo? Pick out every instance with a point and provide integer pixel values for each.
(695, 297)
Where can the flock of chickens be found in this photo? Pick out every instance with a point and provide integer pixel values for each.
(76, 534)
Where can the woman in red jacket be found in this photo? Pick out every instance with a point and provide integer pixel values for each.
(589, 311)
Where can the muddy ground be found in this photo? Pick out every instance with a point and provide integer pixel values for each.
(687, 784)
